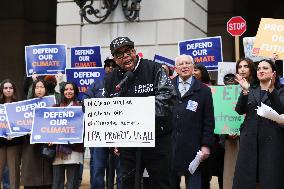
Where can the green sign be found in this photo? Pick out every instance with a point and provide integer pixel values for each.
(227, 120)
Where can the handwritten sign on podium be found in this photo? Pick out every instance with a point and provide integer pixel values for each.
(120, 122)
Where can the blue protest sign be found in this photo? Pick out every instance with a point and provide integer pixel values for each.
(59, 125)
(86, 56)
(45, 59)
(4, 127)
(207, 51)
(20, 114)
(164, 60)
(84, 77)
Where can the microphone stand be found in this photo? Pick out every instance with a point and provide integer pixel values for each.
(111, 166)
(138, 168)
(111, 169)
(138, 156)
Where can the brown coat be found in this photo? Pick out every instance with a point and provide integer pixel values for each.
(36, 171)
(230, 158)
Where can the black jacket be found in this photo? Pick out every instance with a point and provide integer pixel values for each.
(261, 151)
(95, 90)
(150, 79)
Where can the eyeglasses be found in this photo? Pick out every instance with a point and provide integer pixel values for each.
(127, 51)
(184, 64)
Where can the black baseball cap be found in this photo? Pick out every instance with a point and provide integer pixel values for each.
(120, 42)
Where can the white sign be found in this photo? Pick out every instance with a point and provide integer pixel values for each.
(248, 46)
(120, 122)
(225, 68)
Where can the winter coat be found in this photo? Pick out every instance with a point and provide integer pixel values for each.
(149, 79)
(192, 128)
(36, 170)
(261, 154)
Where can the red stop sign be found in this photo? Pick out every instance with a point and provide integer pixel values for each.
(236, 26)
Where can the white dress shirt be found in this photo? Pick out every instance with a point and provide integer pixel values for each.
(184, 86)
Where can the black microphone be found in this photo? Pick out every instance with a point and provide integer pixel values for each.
(127, 76)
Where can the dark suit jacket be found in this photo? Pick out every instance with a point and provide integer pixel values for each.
(192, 126)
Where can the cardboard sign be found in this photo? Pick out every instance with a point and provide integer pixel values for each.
(248, 43)
(206, 51)
(227, 120)
(270, 38)
(116, 122)
(59, 125)
(45, 59)
(223, 69)
(86, 56)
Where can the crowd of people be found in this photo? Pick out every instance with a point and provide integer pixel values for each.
(184, 129)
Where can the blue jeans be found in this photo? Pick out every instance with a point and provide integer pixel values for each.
(98, 165)
(5, 179)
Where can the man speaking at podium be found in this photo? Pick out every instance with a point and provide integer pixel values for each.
(138, 77)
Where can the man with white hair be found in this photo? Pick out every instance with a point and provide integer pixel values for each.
(193, 123)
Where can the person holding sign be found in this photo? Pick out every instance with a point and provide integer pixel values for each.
(10, 149)
(260, 158)
(51, 82)
(100, 160)
(138, 77)
(36, 170)
(68, 156)
(193, 123)
(229, 142)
